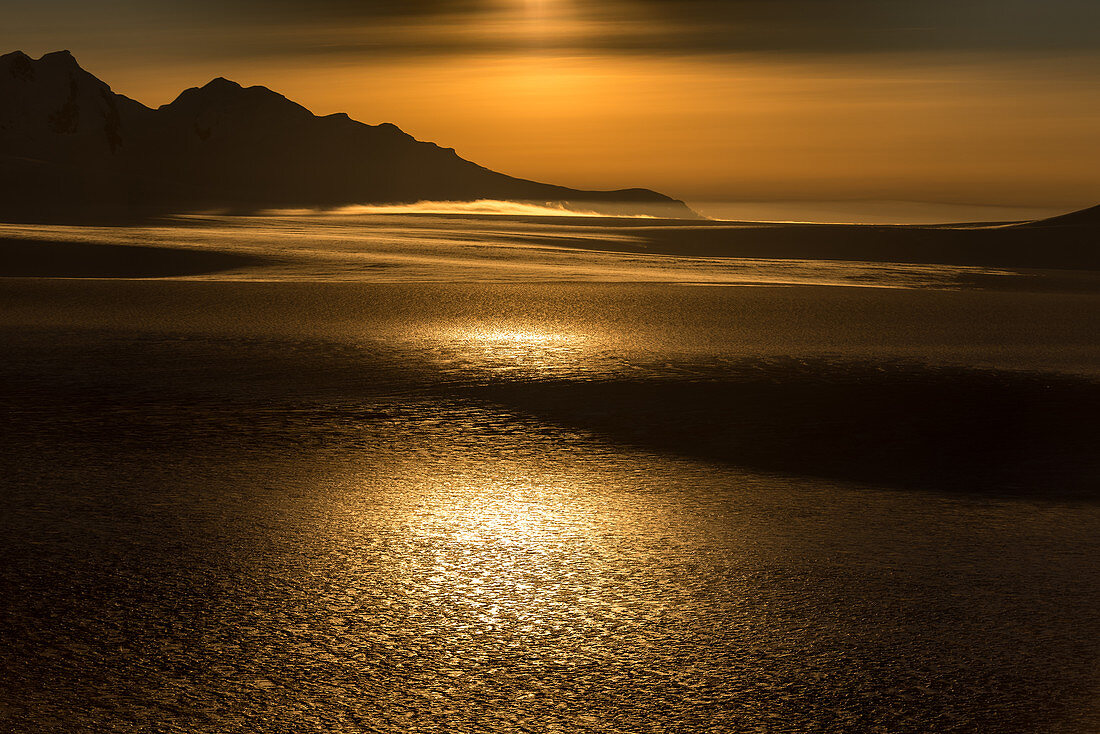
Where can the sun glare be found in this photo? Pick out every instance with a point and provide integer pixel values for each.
(543, 19)
(523, 352)
(535, 7)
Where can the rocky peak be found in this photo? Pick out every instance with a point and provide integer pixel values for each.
(60, 58)
(53, 96)
(224, 92)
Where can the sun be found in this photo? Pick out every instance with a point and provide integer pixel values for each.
(545, 14)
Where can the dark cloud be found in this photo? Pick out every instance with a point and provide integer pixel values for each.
(438, 27)
(343, 9)
(824, 26)
(725, 26)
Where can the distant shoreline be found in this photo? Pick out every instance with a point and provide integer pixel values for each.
(1052, 257)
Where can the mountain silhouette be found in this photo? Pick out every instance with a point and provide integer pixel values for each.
(1082, 218)
(71, 147)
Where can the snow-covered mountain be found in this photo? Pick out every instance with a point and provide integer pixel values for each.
(69, 146)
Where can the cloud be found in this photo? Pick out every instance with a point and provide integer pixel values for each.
(360, 29)
(358, 9)
(850, 26)
(696, 26)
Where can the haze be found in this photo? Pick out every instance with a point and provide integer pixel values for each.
(974, 103)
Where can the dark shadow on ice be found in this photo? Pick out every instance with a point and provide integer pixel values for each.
(44, 259)
(952, 430)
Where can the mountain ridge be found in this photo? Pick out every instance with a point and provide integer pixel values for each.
(1089, 217)
(71, 147)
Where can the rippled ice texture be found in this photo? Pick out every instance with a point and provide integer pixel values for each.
(298, 507)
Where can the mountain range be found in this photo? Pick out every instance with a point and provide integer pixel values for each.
(70, 147)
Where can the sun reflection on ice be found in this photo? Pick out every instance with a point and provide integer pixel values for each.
(503, 558)
(518, 351)
(529, 347)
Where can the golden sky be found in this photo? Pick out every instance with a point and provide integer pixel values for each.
(707, 100)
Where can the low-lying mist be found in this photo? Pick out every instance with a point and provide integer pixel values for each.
(480, 206)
